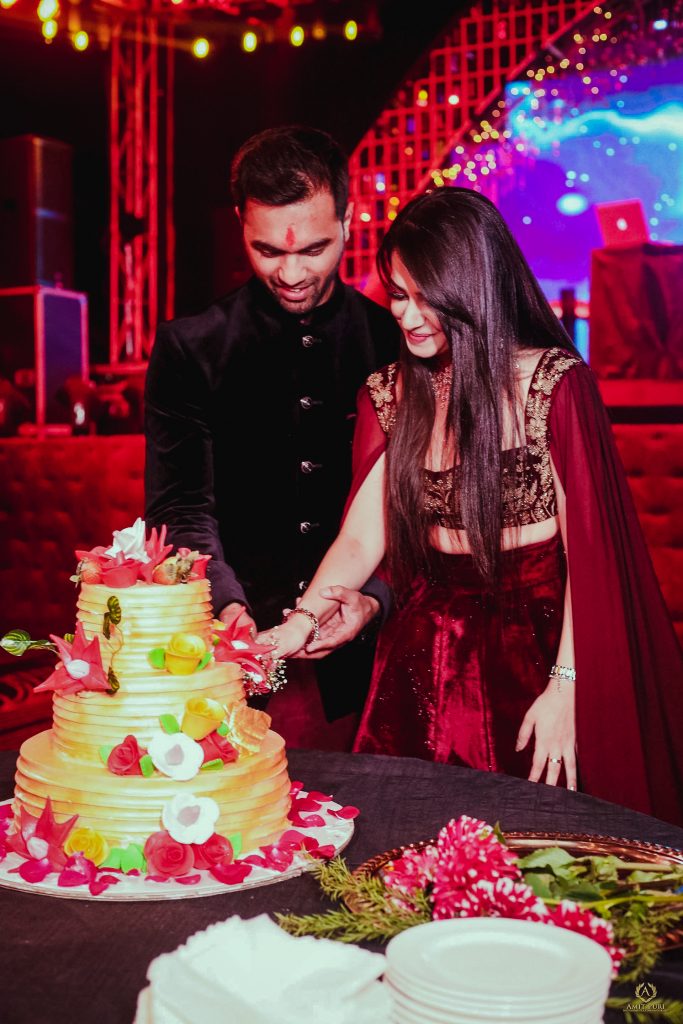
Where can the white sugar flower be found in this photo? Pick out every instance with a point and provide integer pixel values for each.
(189, 818)
(130, 542)
(177, 755)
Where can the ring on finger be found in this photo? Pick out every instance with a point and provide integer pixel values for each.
(555, 760)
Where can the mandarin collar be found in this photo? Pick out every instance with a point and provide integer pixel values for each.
(318, 317)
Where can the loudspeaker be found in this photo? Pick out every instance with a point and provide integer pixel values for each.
(44, 344)
(36, 212)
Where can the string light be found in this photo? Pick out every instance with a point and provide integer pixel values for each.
(47, 10)
(50, 28)
(249, 42)
(81, 41)
(319, 31)
(200, 48)
(297, 36)
(6, 4)
(351, 30)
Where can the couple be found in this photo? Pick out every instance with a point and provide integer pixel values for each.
(526, 623)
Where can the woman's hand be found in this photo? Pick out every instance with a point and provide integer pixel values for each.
(288, 638)
(551, 718)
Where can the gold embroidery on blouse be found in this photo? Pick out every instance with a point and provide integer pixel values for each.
(382, 388)
(528, 488)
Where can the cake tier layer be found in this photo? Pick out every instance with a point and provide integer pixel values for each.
(85, 721)
(252, 793)
(150, 615)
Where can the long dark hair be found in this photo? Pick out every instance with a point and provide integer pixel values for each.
(464, 260)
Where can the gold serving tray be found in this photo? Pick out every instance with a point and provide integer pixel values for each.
(575, 843)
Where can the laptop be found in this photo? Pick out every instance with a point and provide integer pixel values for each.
(622, 223)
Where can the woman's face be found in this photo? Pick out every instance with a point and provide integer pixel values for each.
(417, 319)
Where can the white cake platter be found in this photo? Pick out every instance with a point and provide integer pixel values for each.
(336, 832)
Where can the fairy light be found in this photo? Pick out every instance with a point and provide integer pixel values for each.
(297, 36)
(47, 10)
(249, 42)
(201, 48)
(6, 4)
(81, 41)
(50, 29)
(351, 30)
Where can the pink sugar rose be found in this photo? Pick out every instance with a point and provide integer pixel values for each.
(167, 858)
(216, 850)
(124, 758)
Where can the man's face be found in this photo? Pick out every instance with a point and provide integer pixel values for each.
(296, 250)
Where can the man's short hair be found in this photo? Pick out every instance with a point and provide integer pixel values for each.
(287, 165)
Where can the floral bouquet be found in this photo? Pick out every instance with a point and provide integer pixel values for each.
(470, 871)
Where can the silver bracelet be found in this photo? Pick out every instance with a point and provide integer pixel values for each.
(312, 618)
(561, 672)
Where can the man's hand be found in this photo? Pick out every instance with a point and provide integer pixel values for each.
(355, 611)
(237, 613)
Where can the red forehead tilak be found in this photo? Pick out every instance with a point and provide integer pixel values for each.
(290, 237)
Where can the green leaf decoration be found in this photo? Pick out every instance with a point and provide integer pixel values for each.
(132, 859)
(146, 766)
(113, 860)
(552, 858)
(69, 637)
(18, 642)
(540, 883)
(235, 841)
(169, 723)
(157, 657)
(114, 608)
(204, 662)
(211, 766)
(113, 681)
(105, 751)
(223, 729)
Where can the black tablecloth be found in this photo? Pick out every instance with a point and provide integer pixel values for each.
(67, 960)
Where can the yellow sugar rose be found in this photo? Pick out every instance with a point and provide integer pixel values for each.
(202, 716)
(183, 653)
(90, 843)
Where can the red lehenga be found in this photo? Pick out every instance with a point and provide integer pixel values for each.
(457, 668)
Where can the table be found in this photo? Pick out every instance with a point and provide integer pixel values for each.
(84, 960)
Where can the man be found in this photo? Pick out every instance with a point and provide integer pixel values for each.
(249, 406)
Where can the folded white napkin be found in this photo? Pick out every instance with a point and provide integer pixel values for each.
(251, 972)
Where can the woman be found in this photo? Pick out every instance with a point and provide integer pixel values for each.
(529, 624)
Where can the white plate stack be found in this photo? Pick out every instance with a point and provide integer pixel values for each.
(487, 970)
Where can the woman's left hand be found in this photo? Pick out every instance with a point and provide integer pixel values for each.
(288, 638)
(551, 718)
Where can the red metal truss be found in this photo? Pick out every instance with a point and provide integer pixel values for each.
(460, 79)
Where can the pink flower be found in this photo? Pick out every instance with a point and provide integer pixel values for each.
(41, 839)
(80, 667)
(235, 643)
(411, 872)
(503, 898)
(124, 758)
(166, 857)
(199, 562)
(468, 851)
(156, 551)
(578, 919)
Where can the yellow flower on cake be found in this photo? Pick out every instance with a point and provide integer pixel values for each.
(202, 716)
(90, 843)
(189, 818)
(176, 755)
(183, 653)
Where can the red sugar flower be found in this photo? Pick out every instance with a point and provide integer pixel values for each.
(80, 667)
(167, 858)
(156, 551)
(124, 758)
(216, 850)
(216, 746)
(41, 839)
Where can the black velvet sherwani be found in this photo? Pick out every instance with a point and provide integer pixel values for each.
(249, 416)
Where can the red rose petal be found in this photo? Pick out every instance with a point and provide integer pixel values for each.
(33, 870)
(306, 804)
(231, 874)
(345, 812)
(156, 878)
(188, 879)
(259, 862)
(320, 797)
(6, 812)
(295, 788)
(323, 852)
(69, 878)
(311, 821)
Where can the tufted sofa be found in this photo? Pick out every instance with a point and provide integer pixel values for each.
(66, 493)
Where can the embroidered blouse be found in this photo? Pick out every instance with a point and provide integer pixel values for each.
(528, 489)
